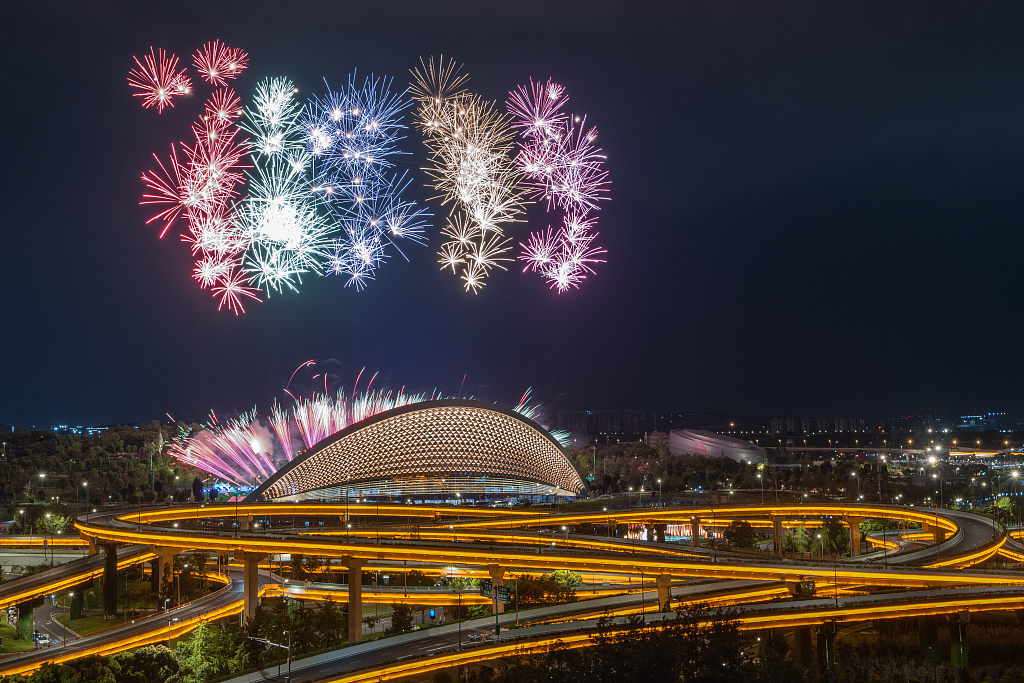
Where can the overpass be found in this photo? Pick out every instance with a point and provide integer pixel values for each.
(496, 542)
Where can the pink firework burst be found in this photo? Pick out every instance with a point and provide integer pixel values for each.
(224, 105)
(231, 288)
(165, 189)
(217, 62)
(561, 165)
(158, 80)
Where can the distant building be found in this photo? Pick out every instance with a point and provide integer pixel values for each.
(657, 439)
(982, 421)
(702, 442)
(607, 421)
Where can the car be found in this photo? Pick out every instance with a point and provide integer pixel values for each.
(415, 627)
(474, 637)
(43, 640)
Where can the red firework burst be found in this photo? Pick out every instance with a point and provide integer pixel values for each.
(158, 80)
(217, 62)
(230, 288)
(165, 189)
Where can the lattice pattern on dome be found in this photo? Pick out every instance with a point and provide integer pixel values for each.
(452, 440)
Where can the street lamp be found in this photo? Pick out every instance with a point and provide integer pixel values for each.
(85, 484)
(169, 622)
(64, 641)
(661, 502)
(762, 488)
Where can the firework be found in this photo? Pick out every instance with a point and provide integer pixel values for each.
(158, 80)
(561, 166)
(242, 451)
(285, 234)
(469, 141)
(273, 121)
(217, 62)
(350, 136)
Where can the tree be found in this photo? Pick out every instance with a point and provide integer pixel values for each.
(197, 490)
(835, 536)
(740, 534)
(146, 665)
(567, 578)
(401, 619)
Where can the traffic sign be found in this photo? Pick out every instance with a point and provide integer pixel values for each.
(505, 594)
(485, 589)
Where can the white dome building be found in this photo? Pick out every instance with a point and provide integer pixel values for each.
(710, 444)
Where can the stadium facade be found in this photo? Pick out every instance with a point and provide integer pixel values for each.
(431, 451)
(703, 442)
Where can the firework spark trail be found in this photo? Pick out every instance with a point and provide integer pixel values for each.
(237, 452)
(469, 141)
(217, 62)
(203, 185)
(233, 451)
(285, 235)
(279, 421)
(350, 136)
(158, 80)
(560, 165)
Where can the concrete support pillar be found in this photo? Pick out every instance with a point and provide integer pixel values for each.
(826, 651)
(854, 523)
(958, 645)
(777, 533)
(93, 547)
(109, 580)
(659, 532)
(802, 651)
(250, 582)
(497, 574)
(938, 533)
(665, 592)
(164, 561)
(449, 613)
(694, 531)
(354, 566)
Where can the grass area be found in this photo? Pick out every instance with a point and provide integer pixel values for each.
(91, 623)
(10, 643)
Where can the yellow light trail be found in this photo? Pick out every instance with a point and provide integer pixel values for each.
(68, 581)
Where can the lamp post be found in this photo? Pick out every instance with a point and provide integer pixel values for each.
(84, 483)
(761, 479)
(64, 641)
(169, 622)
(661, 500)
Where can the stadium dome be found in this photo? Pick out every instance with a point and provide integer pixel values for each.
(703, 442)
(430, 450)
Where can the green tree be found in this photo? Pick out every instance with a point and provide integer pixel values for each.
(567, 578)
(835, 536)
(150, 664)
(401, 619)
(740, 534)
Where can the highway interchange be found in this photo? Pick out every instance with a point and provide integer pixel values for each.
(480, 538)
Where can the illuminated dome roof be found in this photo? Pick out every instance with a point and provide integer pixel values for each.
(430, 449)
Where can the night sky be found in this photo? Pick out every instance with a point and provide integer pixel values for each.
(816, 210)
